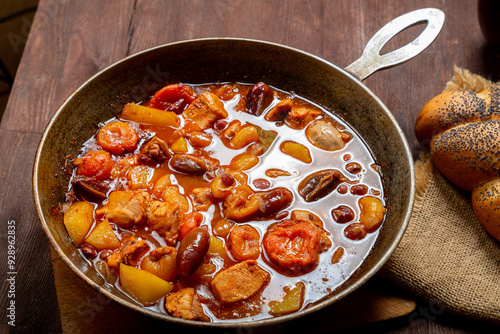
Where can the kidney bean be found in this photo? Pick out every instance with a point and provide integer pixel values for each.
(355, 231)
(89, 252)
(221, 125)
(342, 189)
(359, 189)
(192, 250)
(261, 184)
(353, 168)
(343, 214)
(104, 254)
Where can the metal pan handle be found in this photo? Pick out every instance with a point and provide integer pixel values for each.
(371, 60)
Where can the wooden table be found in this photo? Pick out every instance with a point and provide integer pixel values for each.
(72, 40)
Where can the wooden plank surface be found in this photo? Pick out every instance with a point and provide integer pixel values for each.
(84, 310)
(72, 40)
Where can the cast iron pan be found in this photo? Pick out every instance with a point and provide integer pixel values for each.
(239, 60)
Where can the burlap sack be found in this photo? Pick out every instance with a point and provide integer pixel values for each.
(445, 255)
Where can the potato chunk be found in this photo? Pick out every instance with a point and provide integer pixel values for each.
(142, 285)
(296, 150)
(239, 282)
(372, 212)
(292, 301)
(245, 136)
(103, 237)
(78, 220)
(147, 115)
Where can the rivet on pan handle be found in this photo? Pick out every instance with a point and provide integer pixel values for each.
(371, 60)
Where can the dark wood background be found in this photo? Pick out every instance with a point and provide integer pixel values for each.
(72, 40)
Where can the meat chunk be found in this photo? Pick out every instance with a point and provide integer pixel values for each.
(280, 111)
(184, 304)
(298, 118)
(166, 218)
(206, 110)
(126, 207)
(202, 198)
(131, 251)
(307, 216)
(156, 149)
(239, 282)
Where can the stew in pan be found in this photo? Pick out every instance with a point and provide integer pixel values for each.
(220, 202)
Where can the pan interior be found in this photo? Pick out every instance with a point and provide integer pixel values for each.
(224, 60)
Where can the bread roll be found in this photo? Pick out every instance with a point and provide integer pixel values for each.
(462, 131)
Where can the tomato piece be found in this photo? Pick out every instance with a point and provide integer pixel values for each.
(293, 245)
(173, 98)
(97, 164)
(191, 221)
(117, 137)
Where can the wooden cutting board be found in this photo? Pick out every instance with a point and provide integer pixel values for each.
(84, 310)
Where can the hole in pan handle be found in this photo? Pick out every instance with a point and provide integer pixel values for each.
(371, 60)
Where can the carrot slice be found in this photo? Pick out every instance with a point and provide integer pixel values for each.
(117, 137)
(96, 164)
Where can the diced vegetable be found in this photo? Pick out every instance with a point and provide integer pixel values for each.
(244, 161)
(179, 145)
(139, 177)
(160, 185)
(145, 287)
(191, 221)
(245, 136)
(103, 237)
(78, 220)
(172, 195)
(266, 138)
(296, 150)
(199, 139)
(372, 212)
(292, 301)
(216, 246)
(146, 115)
